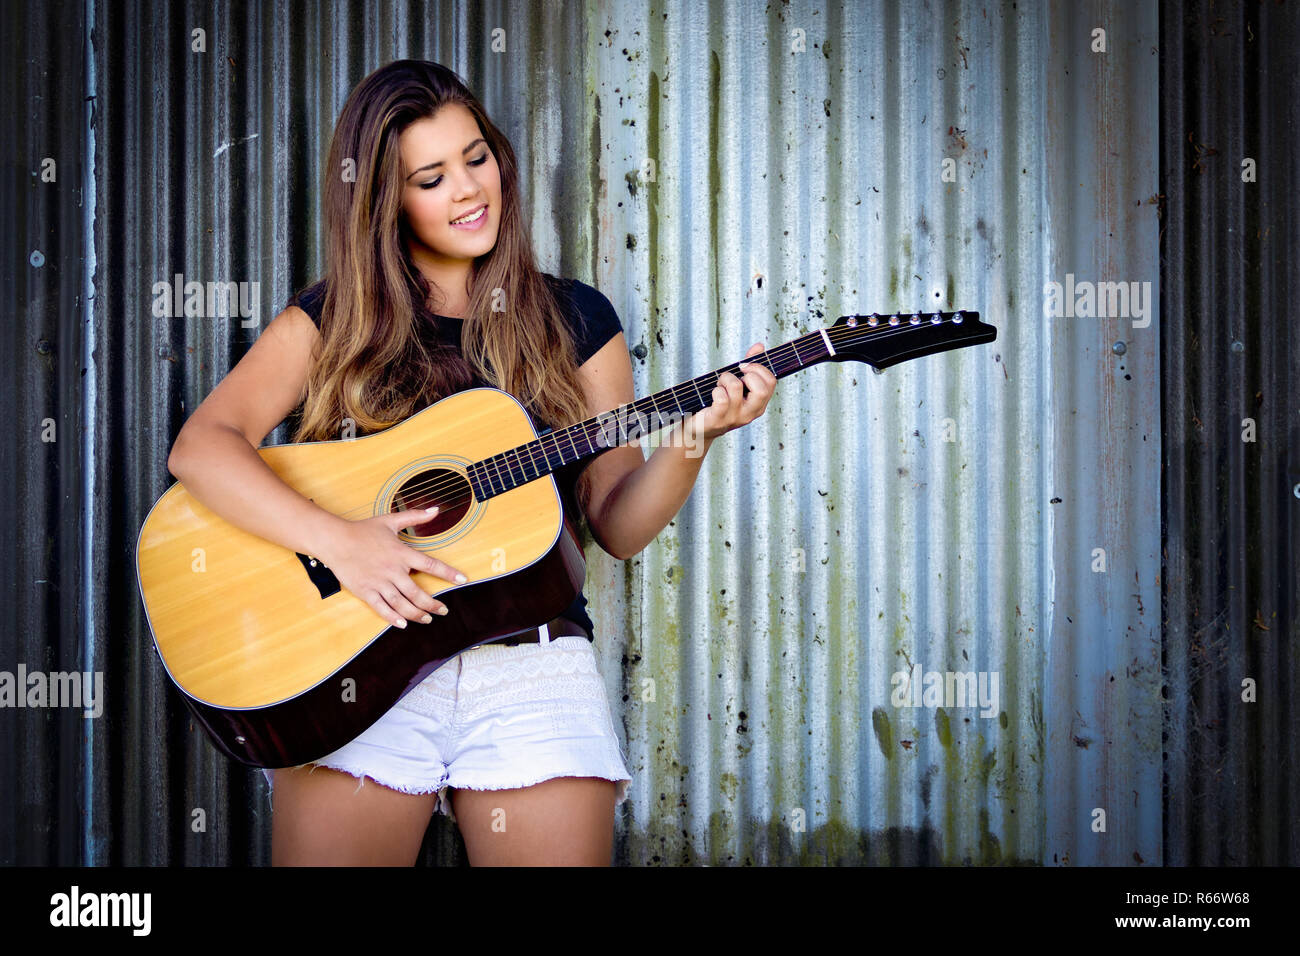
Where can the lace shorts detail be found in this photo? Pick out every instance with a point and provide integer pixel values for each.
(563, 681)
(493, 718)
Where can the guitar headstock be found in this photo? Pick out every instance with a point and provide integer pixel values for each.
(885, 340)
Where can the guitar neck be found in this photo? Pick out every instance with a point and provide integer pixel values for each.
(879, 340)
(628, 423)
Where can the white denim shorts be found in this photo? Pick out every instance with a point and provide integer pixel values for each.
(493, 718)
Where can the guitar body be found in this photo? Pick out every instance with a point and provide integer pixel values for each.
(281, 665)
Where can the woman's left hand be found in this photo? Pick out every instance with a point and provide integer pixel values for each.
(731, 408)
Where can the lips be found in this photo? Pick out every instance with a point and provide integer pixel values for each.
(468, 215)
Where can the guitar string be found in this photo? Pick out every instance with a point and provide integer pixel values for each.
(435, 487)
(438, 486)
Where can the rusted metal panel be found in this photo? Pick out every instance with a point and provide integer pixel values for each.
(726, 174)
(1232, 433)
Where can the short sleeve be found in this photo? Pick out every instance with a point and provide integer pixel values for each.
(596, 321)
(311, 300)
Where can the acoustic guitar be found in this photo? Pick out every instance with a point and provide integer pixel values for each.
(282, 666)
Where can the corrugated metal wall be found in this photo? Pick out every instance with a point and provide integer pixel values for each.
(945, 516)
(1231, 353)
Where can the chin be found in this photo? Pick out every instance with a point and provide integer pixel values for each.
(478, 246)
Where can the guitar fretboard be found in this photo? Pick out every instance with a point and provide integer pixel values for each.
(627, 423)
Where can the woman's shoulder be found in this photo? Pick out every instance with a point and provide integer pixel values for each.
(592, 316)
(585, 298)
(311, 300)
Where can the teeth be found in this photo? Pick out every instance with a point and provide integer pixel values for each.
(472, 218)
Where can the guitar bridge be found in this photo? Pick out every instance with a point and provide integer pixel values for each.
(320, 575)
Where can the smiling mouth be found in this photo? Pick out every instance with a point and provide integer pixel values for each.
(474, 216)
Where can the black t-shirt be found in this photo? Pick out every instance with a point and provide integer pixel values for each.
(594, 322)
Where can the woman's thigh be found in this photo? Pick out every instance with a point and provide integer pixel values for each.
(324, 817)
(564, 821)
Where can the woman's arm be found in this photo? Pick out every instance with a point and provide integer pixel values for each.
(215, 454)
(633, 499)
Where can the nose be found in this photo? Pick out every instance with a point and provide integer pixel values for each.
(467, 187)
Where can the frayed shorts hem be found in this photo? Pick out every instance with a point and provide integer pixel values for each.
(443, 804)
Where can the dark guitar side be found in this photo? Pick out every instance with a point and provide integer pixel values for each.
(296, 731)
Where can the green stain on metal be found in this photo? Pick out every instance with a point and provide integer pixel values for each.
(943, 727)
(1036, 722)
(597, 191)
(668, 635)
(652, 205)
(880, 724)
(730, 785)
(893, 285)
(952, 291)
(990, 848)
(715, 183)
(1002, 720)
(722, 611)
(989, 761)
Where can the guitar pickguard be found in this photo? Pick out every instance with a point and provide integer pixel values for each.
(320, 575)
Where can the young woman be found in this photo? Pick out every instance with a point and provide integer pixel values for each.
(431, 287)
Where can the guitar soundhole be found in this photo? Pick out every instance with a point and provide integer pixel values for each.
(449, 490)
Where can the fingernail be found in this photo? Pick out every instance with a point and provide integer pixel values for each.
(427, 619)
(442, 610)
(432, 510)
(461, 579)
(401, 622)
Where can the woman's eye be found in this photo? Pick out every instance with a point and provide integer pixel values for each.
(473, 162)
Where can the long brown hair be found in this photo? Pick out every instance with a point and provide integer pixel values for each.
(373, 365)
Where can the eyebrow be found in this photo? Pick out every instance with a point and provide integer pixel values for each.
(439, 162)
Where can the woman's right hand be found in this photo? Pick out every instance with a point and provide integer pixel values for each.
(374, 564)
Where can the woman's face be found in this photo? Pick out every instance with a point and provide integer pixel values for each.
(449, 172)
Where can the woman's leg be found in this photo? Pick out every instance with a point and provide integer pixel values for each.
(320, 817)
(564, 821)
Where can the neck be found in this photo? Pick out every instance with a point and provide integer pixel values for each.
(449, 279)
